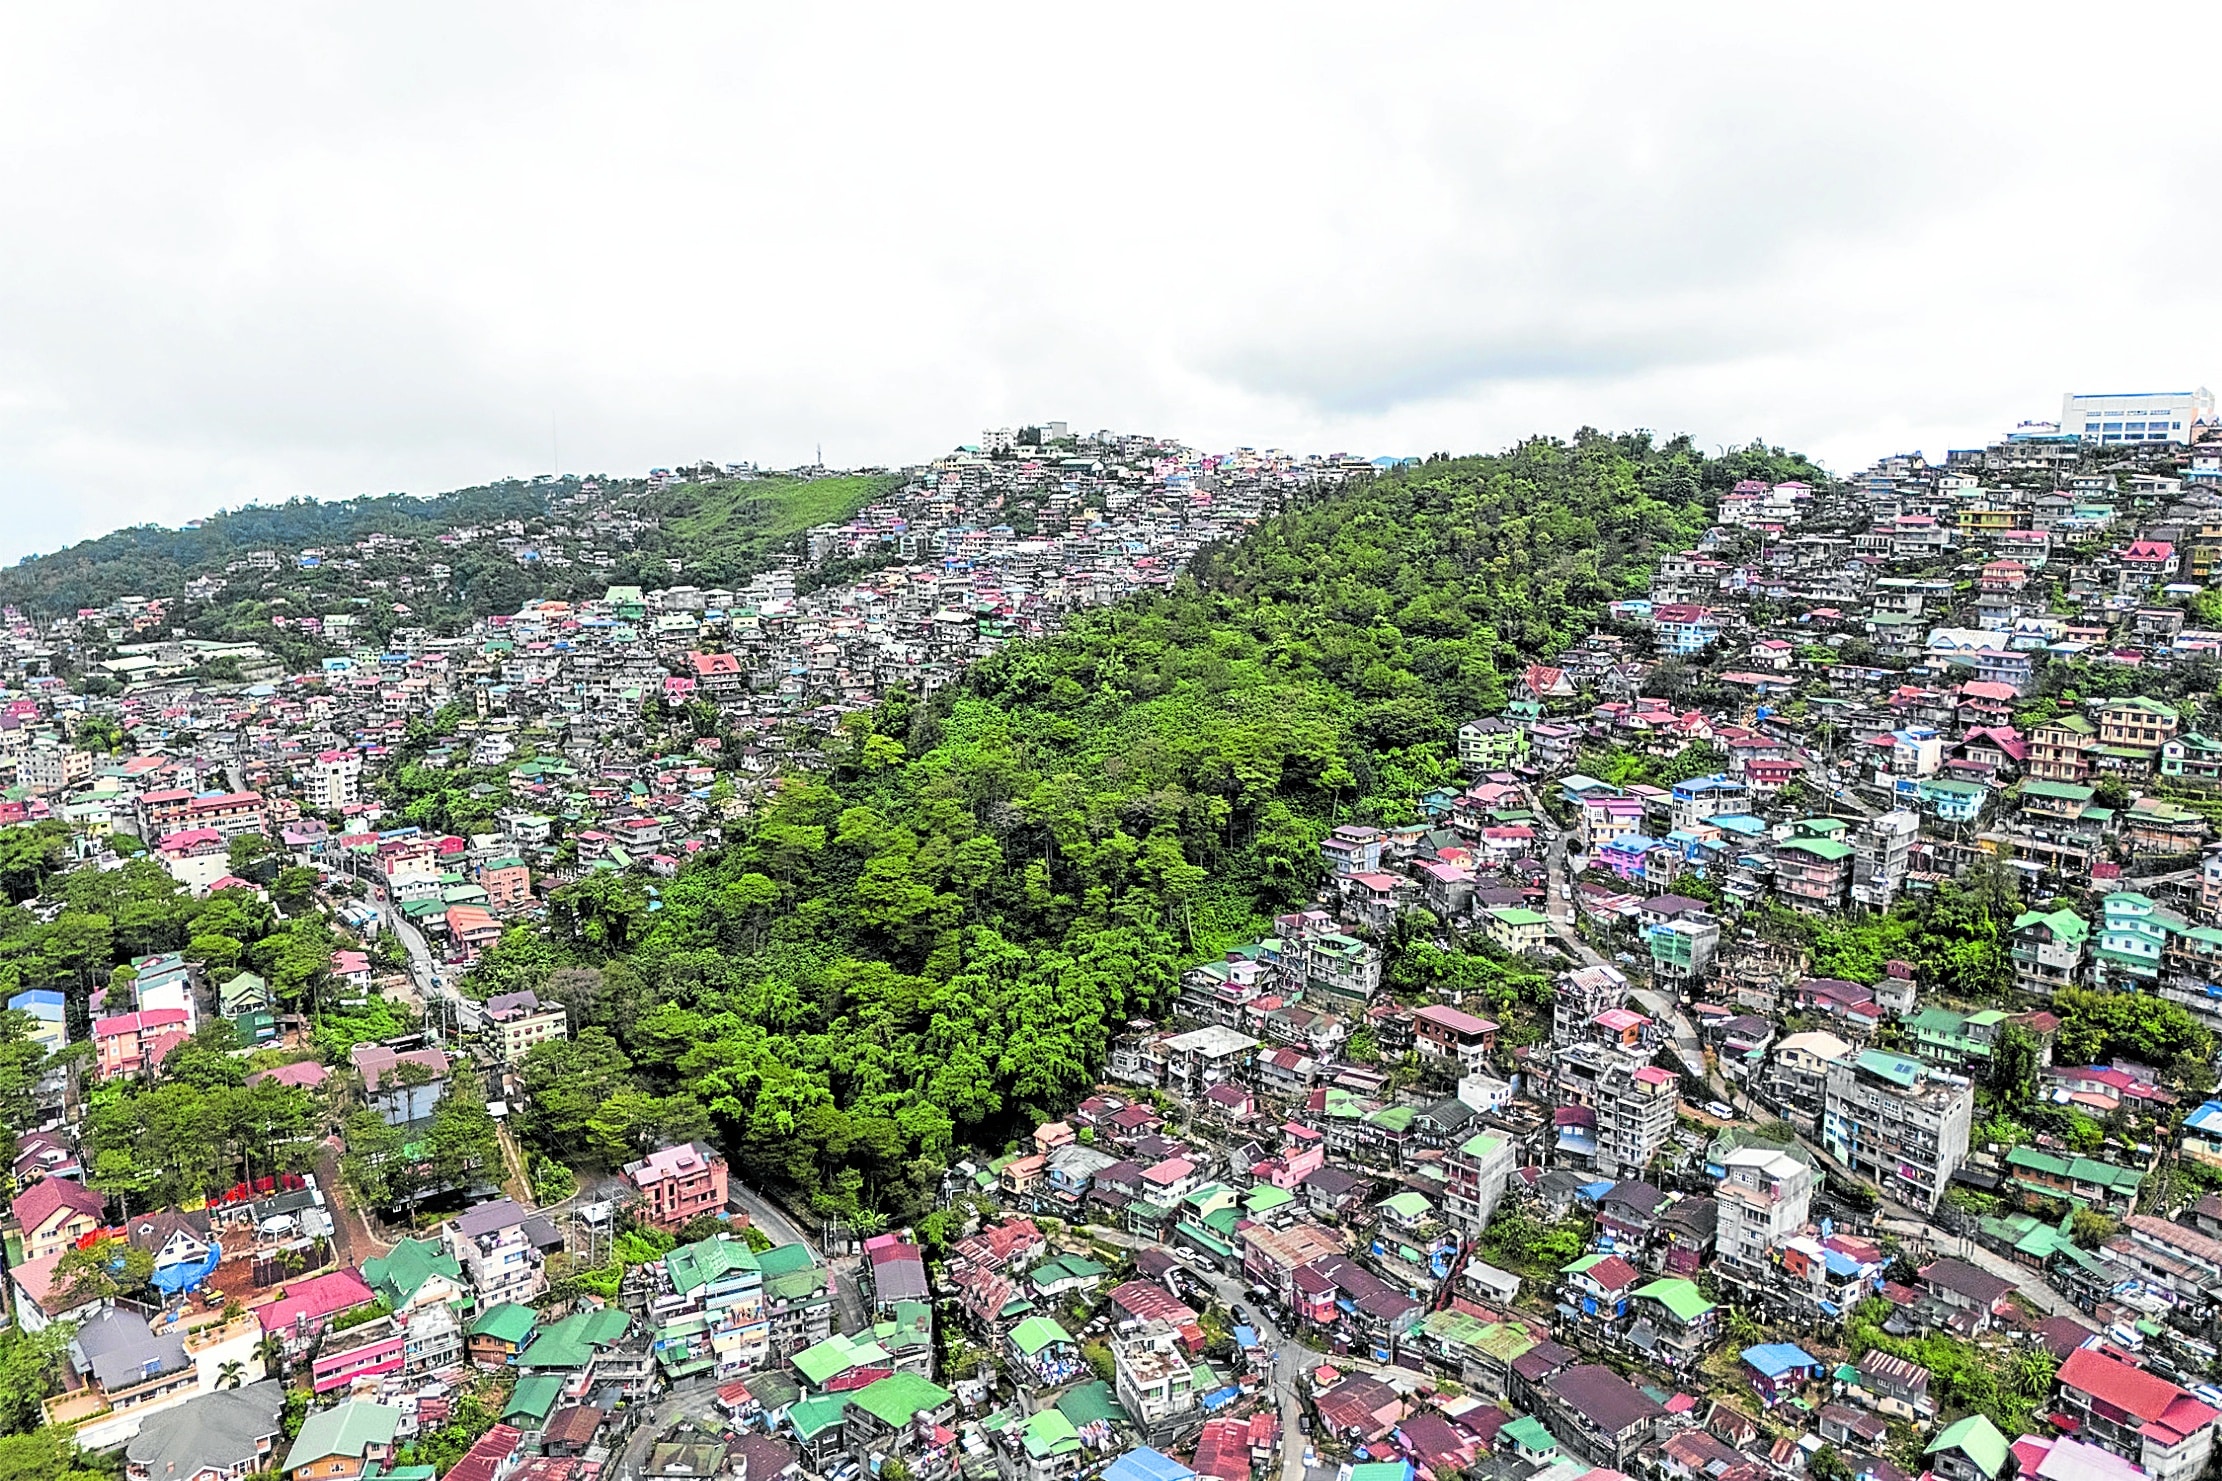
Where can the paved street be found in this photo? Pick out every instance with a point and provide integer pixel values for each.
(695, 1399)
(781, 1229)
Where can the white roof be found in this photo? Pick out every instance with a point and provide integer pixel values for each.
(1214, 1040)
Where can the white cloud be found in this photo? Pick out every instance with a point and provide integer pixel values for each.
(336, 250)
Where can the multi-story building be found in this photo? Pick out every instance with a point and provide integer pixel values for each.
(1682, 948)
(712, 1318)
(1813, 866)
(1899, 1122)
(1341, 969)
(1631, 1100)
(2048, 950)
(2131, 733)
(1578, 996)
(676, 1184)
(2112, 418)
(1475, 1179)
(1353, 848)
(500, 1252)
(334, 780)
(2194, 759)
(1798, 1075)
(2136, 1414)
(1764, 1196)
(517, 1021)
(1490, 745)
(48, 767)
(2059, 749)
(1881, 850)
(798, 1299)
(1154, 1380)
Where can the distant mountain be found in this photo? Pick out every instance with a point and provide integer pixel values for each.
(446, 558)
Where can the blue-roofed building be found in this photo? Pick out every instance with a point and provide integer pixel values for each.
(48, 1028)
(1625, 855)
(1779, 1369)
(2202, 1133)
(1146, 1464)
(1698, 799)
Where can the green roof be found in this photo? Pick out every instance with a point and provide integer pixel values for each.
(813, 1417)
(349, 1429)
(692, 1266)
(572, 1342)
(2076, 1169)
(534, 1398)
(1048, 1432)
(899, 1398)
(507, 1322)
(1678, 1296)
(1380, 1470)
(1264, 1198)
(1895, 1068)
(1407, 1206)
(398, 1274)
(1481, 1145)
(1092, 1403)
(1394, 1118)
(1529, 1434)
(1820, 848)
(1038, 1332)
(1518, 915)
(781, 1259)
(1976, 1438)
(838, 1354)
(2065, 924)
(1066, 1267)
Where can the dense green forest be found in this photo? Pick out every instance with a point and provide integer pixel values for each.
(931, 943)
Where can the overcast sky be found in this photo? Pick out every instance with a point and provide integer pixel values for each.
(247, 253)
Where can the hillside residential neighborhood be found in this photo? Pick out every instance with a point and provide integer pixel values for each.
(1716, 1157)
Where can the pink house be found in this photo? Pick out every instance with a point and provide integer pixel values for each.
(300, 1315)
(136, 1043)
(679, 1183)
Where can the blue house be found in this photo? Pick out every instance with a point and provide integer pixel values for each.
(1780, 1369)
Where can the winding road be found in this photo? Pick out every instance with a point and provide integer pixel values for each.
(1895, 1217)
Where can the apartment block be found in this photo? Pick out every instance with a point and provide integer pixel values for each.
(1899, 1122)
(1630, 1106)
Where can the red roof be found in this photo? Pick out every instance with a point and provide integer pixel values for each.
(1613, 1273)
(320, 1296)
(2147, 1395)
(38, 1203)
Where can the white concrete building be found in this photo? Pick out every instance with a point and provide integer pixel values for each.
(2135, 416)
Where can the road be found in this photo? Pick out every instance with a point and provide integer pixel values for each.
(1911, 1221)
(1560, 909)
(694, 1399)
(848, 1294)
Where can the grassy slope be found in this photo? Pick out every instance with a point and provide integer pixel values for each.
(776, 508)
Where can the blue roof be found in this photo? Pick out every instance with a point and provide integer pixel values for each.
(1773, 1359)
(2207, 1118)
(1838, 1262)
(1146, 1465)
(33, 998)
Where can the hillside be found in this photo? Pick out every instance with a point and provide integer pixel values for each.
(504, 544)
(931, 944)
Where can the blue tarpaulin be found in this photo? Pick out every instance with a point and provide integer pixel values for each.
(172, 1279)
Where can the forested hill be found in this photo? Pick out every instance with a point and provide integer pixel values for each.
(154, 561)
(564, 538)
(931, 944)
